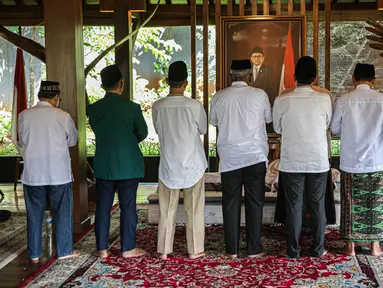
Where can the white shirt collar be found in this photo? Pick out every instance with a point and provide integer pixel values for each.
(43, 103)
(239, 84)
(363, 87)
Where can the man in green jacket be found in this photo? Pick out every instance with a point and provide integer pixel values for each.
(119, 126)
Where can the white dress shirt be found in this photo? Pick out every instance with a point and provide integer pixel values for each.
(303, 117)
(179, 121)
(241, 112)
(358, 117)
(45, 133)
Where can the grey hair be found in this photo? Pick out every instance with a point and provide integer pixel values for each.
(241, 73)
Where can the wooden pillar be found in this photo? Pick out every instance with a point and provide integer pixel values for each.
(193, 27)
(316, 31)
(205, 23)
(327, 45)
(65, 63)
(303, 7)
(218, 59)
(241, 7)
(229, 7)
(254, 7)
(123, 26)
(266, 7)
(290, 7)
(278, 8)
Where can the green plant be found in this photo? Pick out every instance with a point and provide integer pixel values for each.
(335, 147)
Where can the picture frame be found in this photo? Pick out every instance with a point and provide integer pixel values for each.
(241, 35)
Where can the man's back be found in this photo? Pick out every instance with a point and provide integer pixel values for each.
(119, 126)
(241, 113)
(45, 133)
(302, 117)
(361, 127)
(179, 121)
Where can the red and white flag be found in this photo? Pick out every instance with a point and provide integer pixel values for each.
(19, 97)
(288, 67)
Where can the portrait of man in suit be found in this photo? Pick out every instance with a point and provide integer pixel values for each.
(263, 75)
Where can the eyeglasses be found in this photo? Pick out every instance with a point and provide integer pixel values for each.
(258, 56)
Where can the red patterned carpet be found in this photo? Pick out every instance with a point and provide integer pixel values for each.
(216, 270)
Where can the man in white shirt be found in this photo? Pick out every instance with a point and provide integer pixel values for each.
(241, 113)
(302, 117)
(45, 133)
(179, 121)
(358, 118)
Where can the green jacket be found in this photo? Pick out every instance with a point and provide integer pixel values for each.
(119, 126)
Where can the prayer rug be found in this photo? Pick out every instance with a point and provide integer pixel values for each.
(13, 237)
(215, 270)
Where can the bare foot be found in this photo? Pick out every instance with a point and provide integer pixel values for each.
(349, 250)
(325, 252)
(35, 260)
(162, 256)
(232, 255)
(136, 252)
(196, 256)
(74, 254)
(257, 255)
(375, 249)
(102, 254)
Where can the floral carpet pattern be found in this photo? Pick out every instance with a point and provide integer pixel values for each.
(215, 270)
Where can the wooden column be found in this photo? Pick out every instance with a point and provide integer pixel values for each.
(123, 26)
(241, 7)
(303, 7)
(65, 63)
(290, 7)
(254, 7)
(316, 30)
(229, 7)
(278, 8)
(218, 59)
(205, 23)
(327, 45)
(193, 27)
(266, 7)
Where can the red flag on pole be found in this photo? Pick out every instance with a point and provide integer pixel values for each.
(19, 96)
(288, 67)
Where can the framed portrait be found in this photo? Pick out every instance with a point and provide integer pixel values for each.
(264, 40)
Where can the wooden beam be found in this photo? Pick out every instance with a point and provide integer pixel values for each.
(65, 63)
(241, 7)
(316, 31)
(254, 8)
(290, 7)
(278, 7)
(205, 44)
(193, 48)
(230, 7)
(266, 7)
(328, 45)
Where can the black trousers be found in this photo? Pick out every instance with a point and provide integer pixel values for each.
(294, 186)
(253, 179)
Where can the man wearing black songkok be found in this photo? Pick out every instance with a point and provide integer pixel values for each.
(241, 112)
(302, 117)
(359, 120)
(119, 126)
(179, 122)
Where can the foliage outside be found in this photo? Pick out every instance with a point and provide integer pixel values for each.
(348, 39)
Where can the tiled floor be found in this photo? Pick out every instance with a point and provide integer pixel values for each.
(14, 200)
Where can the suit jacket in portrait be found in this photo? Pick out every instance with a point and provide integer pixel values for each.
(266, 81)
